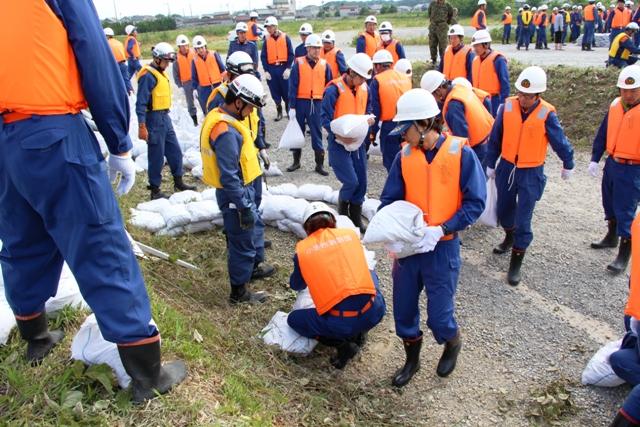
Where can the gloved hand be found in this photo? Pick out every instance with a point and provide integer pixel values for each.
(430, 239)
(371, 121)
(267, 75)
(347, 141)
(566, 173)
(143, 133)
(286, 74)
(247, 219)
(593, 169)
(265, 158)
(123, 164)
(394, 247)
(491, 173)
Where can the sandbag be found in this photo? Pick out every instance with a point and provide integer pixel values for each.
(292, 227)
(400, 222)
(292, 137)
(198, 227)
(370, 207)
(344, 221)
(149, 221)
(295, 210)
(351, 130)
(209, 194)
(7, 319)
(332, 197)
(157, 205)
(184, 197)
(68, 293)
(204, 210)
(273, 170)
(279, 333)
(303, 300)
(142, 162)
(313, 192)
(175, 216)
(191, 159)
(197, 171)
(489, 216)
(286, 189)
(139, 147)
(272, 207)
(598, 371)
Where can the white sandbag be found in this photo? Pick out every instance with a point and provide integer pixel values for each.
(295, 210)
(292, 137)
(370, 207)
(149, 221)
(598, 371)
(374, 149)
(272, 207)
(68, 293)
(294, 227)
(157, 205)
(490, 215)
(171, 232)
(332, 197)
(184, 197)
(303, 300)
(204, 210)
(287, 189)
(191, 159)
(273, 170)
(344, 221)
(209, 194)
(314, 192)
(279, 333)
(370, 256)
(7, 319)
(396, 222)
(197, 171)
(142, 162)
(139, 147)
(199, 227)
(176, 215)
(351, 130)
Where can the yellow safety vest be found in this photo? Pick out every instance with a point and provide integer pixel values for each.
(615, 45)
(249, 164)
(161, 94)
(251, 121)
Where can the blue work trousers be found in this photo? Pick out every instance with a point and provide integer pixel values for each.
(506, 33)
(278, 86)
(133, 66)
(541, 40)
(589, 33)
(575, 32)
(162, 143)
(350, 167)
(389, 145)
(496, 102)
(481, 153)
(518, 31)
(626, 361)
(437, 273)
(620, 194)
(203, 95)
(310, 113)
(188, 89)
(518, 192)
(631, 405)
(126, 78)
(56, 205)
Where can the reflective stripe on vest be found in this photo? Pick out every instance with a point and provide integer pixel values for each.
(136, 47)
(616, 46)
(484, 75)
(312, 80)
(455, 64)
(277, 50)
(526, 17)
(333, 265)
(623, 131)
(391, 47)
(117, 49)
(391, 85)
(479, 120)
(620, 18)
(434, 187)
(249, 165)
(589, 13)
(39, 73)
(207, 69)
(183, 62)
(371, 43)
(633, 301)
(332, 61)
(161, 93)
(348, 102)
(525, 144)
(250, 35)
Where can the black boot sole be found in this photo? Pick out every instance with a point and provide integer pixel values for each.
(601, 245)
(401, 382)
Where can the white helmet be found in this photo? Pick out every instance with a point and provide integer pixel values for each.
(545, 7)
(361, 64)
(432, 80)
(628, 3)
(163, 50)
(248, 88)
(371, 19)
(555, 9)
(239, 62)
(242, 26)
(404, 66)
(532, 80)
(271, 21)
(534, 9)
(456, 30)
(480, 36)
(305, 29)
(328, 36)
(253, 14)
(632, 26)
(507, 8)
(316, 208)
(461, 81)
(182, 40)
(416, 104)
(481, 2)
(129, 29)
(383, 56)
(109, 32)
(385, 26)
(313, 40)
(629, 77)
(199, 41)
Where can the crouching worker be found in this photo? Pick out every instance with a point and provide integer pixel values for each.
(348, 302)
(230, 164)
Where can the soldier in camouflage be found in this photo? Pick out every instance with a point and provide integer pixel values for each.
(441, 15)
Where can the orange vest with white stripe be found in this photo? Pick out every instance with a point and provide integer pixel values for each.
(183, 62)
(207, 69)
(136, 46)
(333, 266)
(43, 76)
(277, 51)
(117, 49)
(391, 85)
(349, 102)
(434, 187)
(484, 75)
(623, 131)
(311, 81)
(475, 19)
(479, 120)
(525, 144)
(391, 47)
(371, 43)
(620, 18)
(455, 64)
(633, 301)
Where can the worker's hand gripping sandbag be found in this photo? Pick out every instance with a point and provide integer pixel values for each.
(352, 129)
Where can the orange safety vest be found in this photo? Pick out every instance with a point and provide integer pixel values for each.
(479, 120)
(45, 78)
(207, 69)
(434, 187)
(183, 62)
(117, 49)
(371, 43)
(623, 131)
(277, 49)
(250, 35)
(475, 21)
(333, 265)
(391, 85)
(481, 94)
(391, 47)
(525, 144)
(589, 13)
(508, 19)
(312, 81)
(483, 73)
(136, 46)
(349, 102)
(455, 64)
(620, 18)
(633, 301)
(332, 61)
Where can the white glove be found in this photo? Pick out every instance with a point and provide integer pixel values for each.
(265, 158)
(286, 73)
(394, 247)
(566, 174)
(491, 173)
(267, 75)
(432, 235)
(124, 165)
(593, 169)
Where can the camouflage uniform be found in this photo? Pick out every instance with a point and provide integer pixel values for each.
(441, 15)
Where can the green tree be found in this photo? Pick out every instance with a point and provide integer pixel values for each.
(364, 11)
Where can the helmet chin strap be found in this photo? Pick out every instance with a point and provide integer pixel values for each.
(423, 133)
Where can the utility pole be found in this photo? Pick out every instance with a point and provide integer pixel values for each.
(115, 10)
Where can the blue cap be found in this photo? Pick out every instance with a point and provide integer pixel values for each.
(401, 128)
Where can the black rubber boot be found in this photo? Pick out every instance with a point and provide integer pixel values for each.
(355, 214)
(40, 341)
(156, 193)
(621, 421)
(268, 244)
(149, 377)
(262, 270)
(240, 294)
(279, 112)
(345, 351)
(179, 185)
(506, 244)
(611, 239)
(513, 277)
(360, 340)
(343, 207)
(411, 365)
(286, 109)
(319, 156)
(195, 120)
(624, 253)
(449, 357)
(297, 154)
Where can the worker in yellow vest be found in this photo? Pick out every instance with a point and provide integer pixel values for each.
(368, 41)
(182, 74)
(623, 46)
(117, 48)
